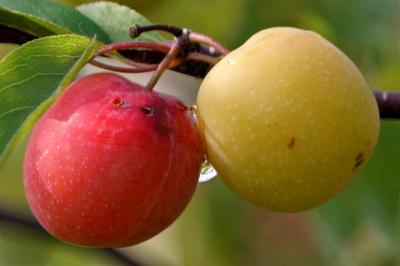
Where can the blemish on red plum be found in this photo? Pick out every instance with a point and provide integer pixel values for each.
(147, 110)
(118, 102)
(89, 184)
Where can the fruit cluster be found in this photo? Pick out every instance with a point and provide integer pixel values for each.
(286, 120)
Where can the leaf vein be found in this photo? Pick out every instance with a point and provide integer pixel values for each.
(29, 78)
(17, 109)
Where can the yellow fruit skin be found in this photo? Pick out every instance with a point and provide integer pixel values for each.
(287, 119)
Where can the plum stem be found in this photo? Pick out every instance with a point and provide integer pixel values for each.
(10, 217)
(165, 63)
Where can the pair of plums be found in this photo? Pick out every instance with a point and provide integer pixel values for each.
(286, 120)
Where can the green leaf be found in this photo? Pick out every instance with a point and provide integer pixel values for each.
(31, 78)
(44, 17)
(116, 19)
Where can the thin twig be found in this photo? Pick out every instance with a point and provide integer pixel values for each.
(388, 103)
(11, 217)
(122, 257)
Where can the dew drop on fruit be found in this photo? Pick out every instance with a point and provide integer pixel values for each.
(207, 172)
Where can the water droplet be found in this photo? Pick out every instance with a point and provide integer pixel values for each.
(207, 173)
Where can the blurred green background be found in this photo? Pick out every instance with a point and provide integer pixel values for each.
(359, 227)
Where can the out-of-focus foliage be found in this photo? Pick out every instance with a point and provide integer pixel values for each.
(359, 227)
(20, 246)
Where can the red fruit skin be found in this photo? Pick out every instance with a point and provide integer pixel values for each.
(110, 164)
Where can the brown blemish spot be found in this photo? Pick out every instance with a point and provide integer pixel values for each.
(118, 102)
(292, 143)
(147, 110)
(358, 161)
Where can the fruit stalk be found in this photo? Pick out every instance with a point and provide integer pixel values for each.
(167, 61)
